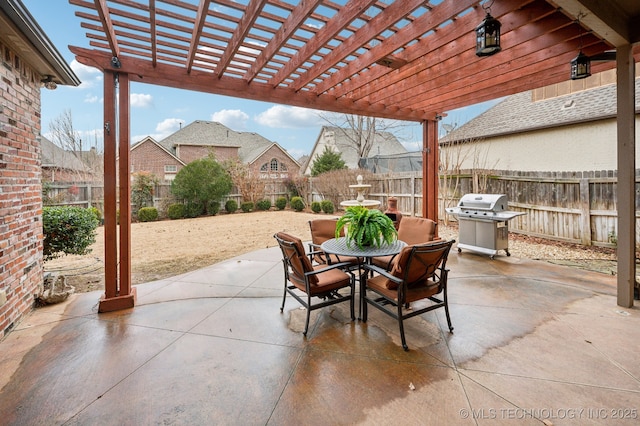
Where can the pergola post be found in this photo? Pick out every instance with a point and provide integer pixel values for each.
(626, 175)
(118, 292)
(430, 166)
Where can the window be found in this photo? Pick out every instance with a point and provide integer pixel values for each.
(264, 167)
(274, 165)
(170, 168)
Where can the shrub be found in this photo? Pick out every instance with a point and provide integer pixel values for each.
(327, 206)
(316, 207)
(297, 203)
(175, 211)
(213, 207)
(67, 230)
(231, 206)
(200, 182)
(97, 213)
(147, 214)
(247, 206)
(142, 189)
(281, 203)
(193, 209)
(264, 204)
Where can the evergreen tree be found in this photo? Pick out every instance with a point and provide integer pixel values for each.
(200, 182)
(328, 161)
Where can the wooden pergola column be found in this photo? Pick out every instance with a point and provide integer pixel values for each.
(430, 165)
(118, 291)
(626, 188)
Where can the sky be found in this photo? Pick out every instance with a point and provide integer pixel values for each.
(160, 111)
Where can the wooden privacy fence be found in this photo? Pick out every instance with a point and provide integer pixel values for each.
(572, 207)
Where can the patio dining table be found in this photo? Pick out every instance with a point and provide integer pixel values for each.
(339, 246)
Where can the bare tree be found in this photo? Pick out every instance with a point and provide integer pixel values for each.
(360, 130)
(64, 135)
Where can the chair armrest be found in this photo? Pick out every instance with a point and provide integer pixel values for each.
(383, 272)
(329, 267)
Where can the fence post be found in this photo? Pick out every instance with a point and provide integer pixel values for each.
(585, 212)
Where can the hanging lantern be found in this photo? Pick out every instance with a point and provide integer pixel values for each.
(580, 66)
(488, 36)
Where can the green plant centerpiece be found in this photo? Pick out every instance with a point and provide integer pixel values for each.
(366, 227)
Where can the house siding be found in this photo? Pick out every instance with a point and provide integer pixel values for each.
(149, 157)
(21, 264)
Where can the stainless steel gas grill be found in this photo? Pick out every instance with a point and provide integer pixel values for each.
(483, 223)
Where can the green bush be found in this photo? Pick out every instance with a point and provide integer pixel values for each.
(231, 206)
(147, 214)
(297, 203)
(213, 207)
(281, 203)
(193, 209)
(67, 230)
(175, 211)
(327, 206)
(200, 182)
(96, 213)
(316, 207)
(247, 206)
(263, 204)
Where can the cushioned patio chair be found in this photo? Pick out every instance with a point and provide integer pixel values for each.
(412, 230)
(419, 274)
(304, 281)
(321, 231)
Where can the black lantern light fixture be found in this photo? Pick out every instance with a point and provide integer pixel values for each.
(488, 34)
(581, 64)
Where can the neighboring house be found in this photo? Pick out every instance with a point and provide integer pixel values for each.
(340, 140)
(149, 156)
(569, 126)
(60, 166)
(201, 138)
(28, 60)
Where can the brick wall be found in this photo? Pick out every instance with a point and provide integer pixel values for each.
(189, 153)
(149, 157)
(292, 169)
(20, 189)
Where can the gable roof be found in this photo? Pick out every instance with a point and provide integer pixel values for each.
(520, 113)
(150, 140)
(384, 143)
(210, 133)
(52, 156)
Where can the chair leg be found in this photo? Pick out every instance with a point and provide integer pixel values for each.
(284, 296)
(401, 326)
(308, 307)
(446, 311)
(352, 302)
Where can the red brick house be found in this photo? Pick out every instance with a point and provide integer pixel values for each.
(201, 138)
(28, 60)
(149, 156)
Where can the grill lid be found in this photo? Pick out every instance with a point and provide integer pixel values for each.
(487, 202)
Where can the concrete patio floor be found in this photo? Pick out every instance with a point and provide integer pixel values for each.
(534, 343)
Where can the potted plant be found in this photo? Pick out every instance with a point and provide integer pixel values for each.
(366, 227)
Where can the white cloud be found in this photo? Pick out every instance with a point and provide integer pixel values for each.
(92, 99)
(141, 100)
(167, 127)
(233, 118)
(89, 76)
(280, 116)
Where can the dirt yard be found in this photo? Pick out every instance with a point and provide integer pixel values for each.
(172, 247)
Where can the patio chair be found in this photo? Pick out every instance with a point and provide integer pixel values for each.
(321, 231)
(412, 230)
(419, 274)
(320, 281)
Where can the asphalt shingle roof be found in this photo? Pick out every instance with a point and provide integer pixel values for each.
(519, 113)
(210, 133)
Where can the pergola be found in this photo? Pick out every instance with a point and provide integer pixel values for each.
(404, 59)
